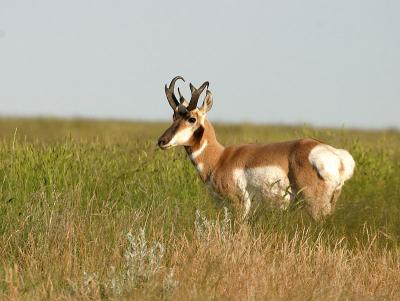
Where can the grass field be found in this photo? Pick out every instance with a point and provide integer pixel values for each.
(94, 210)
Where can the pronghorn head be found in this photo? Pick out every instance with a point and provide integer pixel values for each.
(188, 120)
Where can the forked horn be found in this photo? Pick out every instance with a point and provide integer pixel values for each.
(169, 92)
(181, 98)
(195, 95)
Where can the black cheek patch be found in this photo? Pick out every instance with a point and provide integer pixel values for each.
(198, 134)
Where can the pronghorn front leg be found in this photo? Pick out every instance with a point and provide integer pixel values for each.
(241, 184)
(247, 204)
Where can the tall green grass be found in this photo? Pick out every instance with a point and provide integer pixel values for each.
(72, 190)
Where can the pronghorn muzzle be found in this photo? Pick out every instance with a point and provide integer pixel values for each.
(166, 137)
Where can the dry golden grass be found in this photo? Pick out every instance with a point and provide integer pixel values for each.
(219, 264)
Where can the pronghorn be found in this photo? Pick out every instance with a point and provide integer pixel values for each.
(277, 172)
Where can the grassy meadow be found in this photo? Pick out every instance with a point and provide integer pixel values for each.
(94, 210)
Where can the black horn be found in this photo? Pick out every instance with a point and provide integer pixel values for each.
(169, 92)
(181, 98)
(195, 95)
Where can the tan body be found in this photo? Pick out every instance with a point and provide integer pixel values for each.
(274, 173)
(284, 170)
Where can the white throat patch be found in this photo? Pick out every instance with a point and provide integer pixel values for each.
(200, 167)
(198, 152)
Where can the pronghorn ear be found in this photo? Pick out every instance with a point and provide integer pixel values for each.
(208, 102)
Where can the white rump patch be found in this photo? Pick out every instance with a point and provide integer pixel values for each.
(260, 183)
(328, 162)
(348, 163)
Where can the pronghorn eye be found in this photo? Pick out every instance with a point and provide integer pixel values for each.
(192, 120)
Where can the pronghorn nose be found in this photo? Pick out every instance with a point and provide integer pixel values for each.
(162, 141)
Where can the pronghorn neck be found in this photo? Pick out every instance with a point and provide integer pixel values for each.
(205, 152)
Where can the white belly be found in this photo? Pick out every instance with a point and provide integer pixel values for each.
(267, 183)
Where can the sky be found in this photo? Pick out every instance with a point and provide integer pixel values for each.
(321, 62)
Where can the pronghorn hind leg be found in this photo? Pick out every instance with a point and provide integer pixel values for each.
(318, 202)
(335, 197)
(247, 205)
(320, 209)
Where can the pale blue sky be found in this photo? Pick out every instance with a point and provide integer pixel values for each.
(328, 63)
